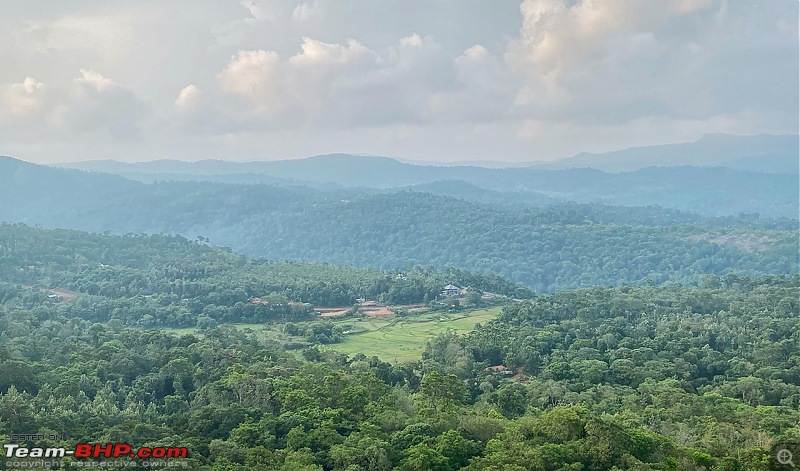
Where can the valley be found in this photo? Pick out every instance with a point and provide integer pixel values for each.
(273, 322)
(316, 235)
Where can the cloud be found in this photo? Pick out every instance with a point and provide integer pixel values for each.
(88, 105)
(541, 78)
(616, 61)
(558, 39)
(573, 65)
(188, 96)
(589, 62)
(256, 76)
(102, 36)
(305, 11)
(291, 91)
(96, 105)
(21, 101)
(96, 81)
(337, 85)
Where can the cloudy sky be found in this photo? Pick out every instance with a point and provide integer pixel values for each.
(443, 80)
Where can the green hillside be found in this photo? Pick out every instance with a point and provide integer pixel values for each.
(545, 248)
(170, 281)
(650, 379)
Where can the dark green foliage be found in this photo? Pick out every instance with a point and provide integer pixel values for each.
(702, 337)
(316, 332)
(638, 378)
(545, 250)
(164, 280)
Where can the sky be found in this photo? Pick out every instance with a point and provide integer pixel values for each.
(429, 80)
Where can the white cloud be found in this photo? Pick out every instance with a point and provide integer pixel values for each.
(615, 61)
(106, 36)
(254, 75)
(258, 12)
(188, 96)
(96, 81)
(305, 11)
(96, 105)
(540, 78)
(21, 100)
(337, 84)
(90, 105)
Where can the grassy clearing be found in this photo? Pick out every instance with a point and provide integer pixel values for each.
(395, 340)
(404, 339)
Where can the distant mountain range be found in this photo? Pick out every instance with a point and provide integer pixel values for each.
(763, 153)
(714, 176)
(518, 228)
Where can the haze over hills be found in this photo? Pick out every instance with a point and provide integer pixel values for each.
(762, 153)
(758, 153)
(531, 241)
(715, 191)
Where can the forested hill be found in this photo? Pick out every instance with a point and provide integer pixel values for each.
(551, 248)
(544, 250)
(698, 379)
(162, 280)
(716, 191)
(762, 153)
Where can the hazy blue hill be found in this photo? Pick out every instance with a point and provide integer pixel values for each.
(714, 191)
(37, 194)
(788, 164)
(348, 170)
(340, 169)
(467, 191)
(235, 178)
(94, 201)
(762, 153)
(177, 170)
(153, 166)
(547, 248)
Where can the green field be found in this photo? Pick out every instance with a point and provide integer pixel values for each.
(395, 340)
(404, 338)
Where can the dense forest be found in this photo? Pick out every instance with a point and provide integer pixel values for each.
(358, 235)
(163, 280)
(549, 248)
(637, 338)
(546, 250)
(698, 378)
